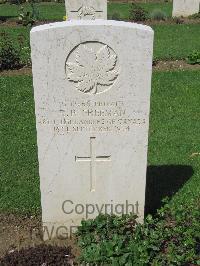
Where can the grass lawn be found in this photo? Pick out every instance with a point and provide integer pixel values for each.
(176, 41)
(174, 137)
(19, 177)
(47, 11)
(124, 8)
(171, 41)
(56, 11)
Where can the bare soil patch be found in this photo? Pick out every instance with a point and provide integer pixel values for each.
(16, 232)
(17, 72)
(170, 21)
(158, 66)
(23, 232)
(41, 255)
(9, 23)
(15, 23)
(174, 65)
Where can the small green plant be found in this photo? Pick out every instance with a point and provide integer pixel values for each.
(25, 50)
(170, 238)
(195, 16)
(103, 240)
(155, 61)
(16, 2)
(9, 55)
(158, 14)
(178, 20)
(28, 17)
(193, 58)
(116, 16)
(137, 13)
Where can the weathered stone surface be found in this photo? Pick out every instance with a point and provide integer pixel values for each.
(86, 9)
(92, 83)
(185, 8)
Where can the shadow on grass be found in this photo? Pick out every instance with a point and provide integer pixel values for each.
(164, 181)
(5, 18)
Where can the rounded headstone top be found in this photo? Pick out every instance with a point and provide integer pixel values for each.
(98, 22)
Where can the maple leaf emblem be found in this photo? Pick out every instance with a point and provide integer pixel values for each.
(92, 69)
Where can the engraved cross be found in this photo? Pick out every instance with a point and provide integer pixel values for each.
(93, 159)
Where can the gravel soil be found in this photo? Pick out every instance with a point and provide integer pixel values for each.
(42, 255)
(21, 244)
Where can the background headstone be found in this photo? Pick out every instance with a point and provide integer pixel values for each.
(86, 9)
(92, 84)
(185, 8)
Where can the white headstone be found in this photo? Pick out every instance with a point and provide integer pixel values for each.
(86, 9)
(92, 84)
(185, 8)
